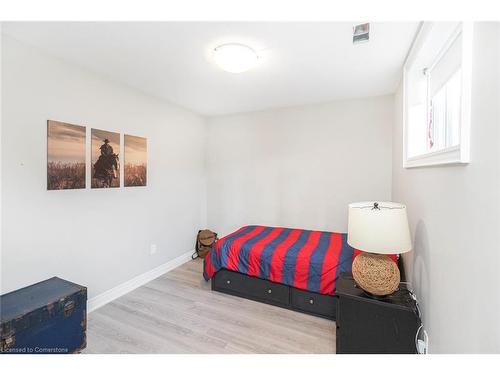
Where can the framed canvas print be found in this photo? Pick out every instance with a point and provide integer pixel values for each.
(136, 160)
(105, 159)
(65, 156)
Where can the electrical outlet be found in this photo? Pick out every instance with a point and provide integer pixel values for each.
(152, 249)
(422, 349)
(422, 341)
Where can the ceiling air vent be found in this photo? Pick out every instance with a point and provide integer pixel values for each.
(361, 33)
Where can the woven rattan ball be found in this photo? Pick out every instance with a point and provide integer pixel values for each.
(377, 274)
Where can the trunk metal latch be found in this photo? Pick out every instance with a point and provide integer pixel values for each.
(69, 307)
(7, 343)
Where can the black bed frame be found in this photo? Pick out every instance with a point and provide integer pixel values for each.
(238, 284)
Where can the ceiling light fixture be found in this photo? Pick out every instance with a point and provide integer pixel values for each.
(235, 58)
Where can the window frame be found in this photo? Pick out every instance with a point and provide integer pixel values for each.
(458, 154)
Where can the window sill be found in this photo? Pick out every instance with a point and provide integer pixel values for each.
(450, 155)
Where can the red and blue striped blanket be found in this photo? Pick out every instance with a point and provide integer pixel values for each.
(304, 259)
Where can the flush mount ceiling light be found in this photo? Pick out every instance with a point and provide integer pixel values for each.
(235, 58)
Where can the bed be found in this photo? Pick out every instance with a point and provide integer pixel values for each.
(291, 268)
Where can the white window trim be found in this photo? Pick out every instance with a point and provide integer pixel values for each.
(456, 154)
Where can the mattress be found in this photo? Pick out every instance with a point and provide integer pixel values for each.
(305, 259)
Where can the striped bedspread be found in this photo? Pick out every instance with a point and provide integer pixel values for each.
(304, 259)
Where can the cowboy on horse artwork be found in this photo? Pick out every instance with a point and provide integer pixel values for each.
(106, 167)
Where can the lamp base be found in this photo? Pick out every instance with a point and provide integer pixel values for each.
(376, 274)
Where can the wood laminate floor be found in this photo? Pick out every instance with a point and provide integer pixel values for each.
(179, 313)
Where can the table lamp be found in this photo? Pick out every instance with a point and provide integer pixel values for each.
(377, 229)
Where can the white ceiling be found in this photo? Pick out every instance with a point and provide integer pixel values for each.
(300, 63)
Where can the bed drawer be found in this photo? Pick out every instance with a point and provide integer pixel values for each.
(251, 287)
(315, 303)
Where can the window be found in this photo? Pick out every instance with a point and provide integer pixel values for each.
(437, 95)
(444, 115)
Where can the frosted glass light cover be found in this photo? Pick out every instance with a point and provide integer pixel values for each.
(382, 231)
(235, 58)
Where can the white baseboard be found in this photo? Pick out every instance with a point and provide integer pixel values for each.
(119, 290)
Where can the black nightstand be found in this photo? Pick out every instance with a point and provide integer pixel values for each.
(369, 325)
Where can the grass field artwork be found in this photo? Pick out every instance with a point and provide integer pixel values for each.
(105, 147)
(136, 161)
(65, 156)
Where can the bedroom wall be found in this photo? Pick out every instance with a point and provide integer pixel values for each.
(96, 237)
(454, 217)
(298, 166)
(1, 130)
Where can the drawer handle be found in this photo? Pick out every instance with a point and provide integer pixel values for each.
(311, 301)
(269, 291)
(228, 282)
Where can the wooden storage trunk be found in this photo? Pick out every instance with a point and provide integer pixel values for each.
(49, 317)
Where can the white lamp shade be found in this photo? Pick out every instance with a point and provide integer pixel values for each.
(382, 230)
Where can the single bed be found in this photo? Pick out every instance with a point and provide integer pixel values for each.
(291, 268)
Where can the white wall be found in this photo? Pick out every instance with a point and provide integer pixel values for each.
(1, 130)
(454, 217)
(96, 237)
(299, 166)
